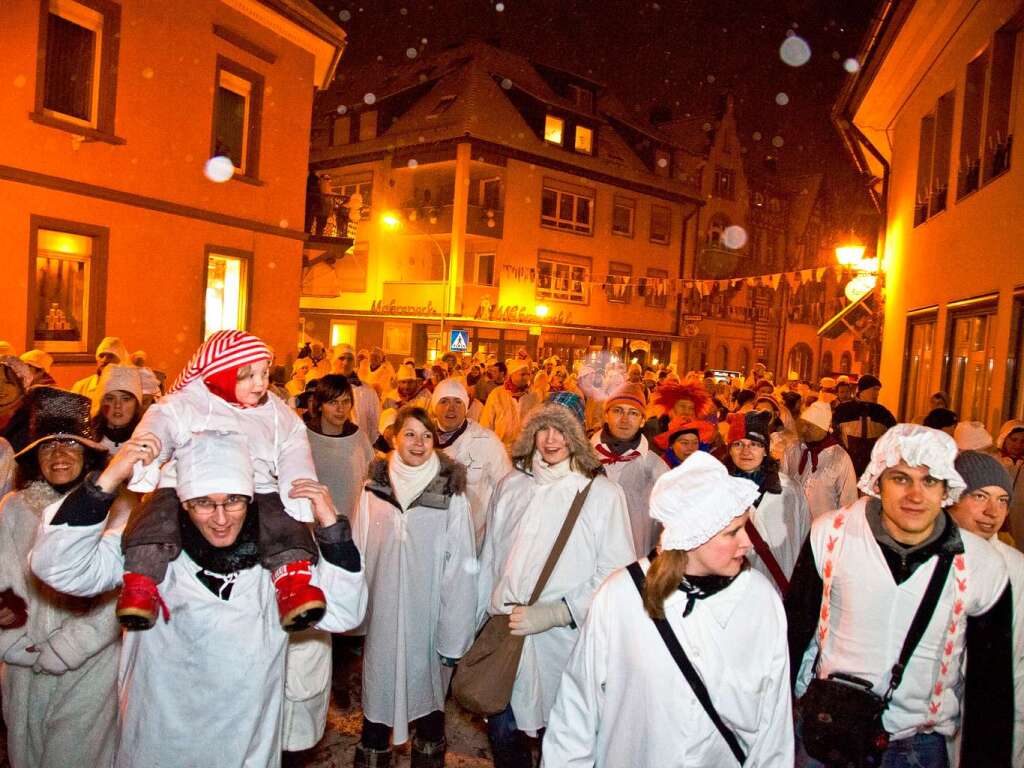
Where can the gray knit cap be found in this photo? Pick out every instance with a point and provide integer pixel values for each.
(982, 469)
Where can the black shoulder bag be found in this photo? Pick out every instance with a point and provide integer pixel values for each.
(841, 717)
(699, 689)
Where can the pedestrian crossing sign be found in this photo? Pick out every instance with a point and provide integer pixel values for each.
(457, 341)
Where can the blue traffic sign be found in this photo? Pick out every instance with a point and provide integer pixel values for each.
(458, 341)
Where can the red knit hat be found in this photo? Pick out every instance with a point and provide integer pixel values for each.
(752, 425)
(629, 393)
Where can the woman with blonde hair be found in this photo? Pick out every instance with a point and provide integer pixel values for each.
(683, 658)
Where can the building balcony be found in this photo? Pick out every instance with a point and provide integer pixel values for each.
(714, 260)
(427, 219)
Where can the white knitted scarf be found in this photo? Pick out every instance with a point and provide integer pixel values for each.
(408, 482)
(544, 473)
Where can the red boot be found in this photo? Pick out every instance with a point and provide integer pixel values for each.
(299, 602)
(140, 602)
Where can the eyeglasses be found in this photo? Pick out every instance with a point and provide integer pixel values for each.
(205, 506)
(64, 444)
(744, 445)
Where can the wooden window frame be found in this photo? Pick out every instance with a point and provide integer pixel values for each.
(628, 203)
(250, 171)
(930, 317)
(668, 232)
(569, 260)
(620, 269)
(245, 256)
(101, 127)
(97, 298)
(567, 225)
(984, 306)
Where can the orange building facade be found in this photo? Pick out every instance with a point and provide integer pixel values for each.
(113, 224)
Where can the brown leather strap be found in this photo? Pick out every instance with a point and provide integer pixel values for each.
(761, 547)
(563, 537)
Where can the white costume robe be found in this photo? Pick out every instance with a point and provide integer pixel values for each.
(421, 569)
(366, 410)
(783, 521)
(831, 486)
(623, 700)
(205, 689)
(636, 478)
(56, 720)
(486, 461)
(870, 615)
(522, 525)
(504, 415)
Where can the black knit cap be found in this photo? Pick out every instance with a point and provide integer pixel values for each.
(979, 469)
(867, 381)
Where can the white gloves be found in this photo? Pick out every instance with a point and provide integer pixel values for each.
(19, 655)
(49, 662)
(539, 617)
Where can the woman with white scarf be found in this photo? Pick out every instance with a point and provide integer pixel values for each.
(414, 529)
(552, 461)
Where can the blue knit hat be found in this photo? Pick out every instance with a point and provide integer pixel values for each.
(569, 400)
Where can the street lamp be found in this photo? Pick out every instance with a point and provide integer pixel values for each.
(851, 256)
(394, 222)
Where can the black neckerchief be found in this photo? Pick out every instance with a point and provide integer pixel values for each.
(347, 430)
(444, 439)
(619, 447)
(381, 444)
(766, 476)
(354, 380)
(119, 434)
(700, 587)
(218, 565)
(903, 560)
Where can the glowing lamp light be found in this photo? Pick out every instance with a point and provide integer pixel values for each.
(859, 286)
(850, 255)
(391, 221)
(655, 361)
(541, 310)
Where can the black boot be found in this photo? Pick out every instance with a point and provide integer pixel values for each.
(512, 757)
(371, 758)
(428, 754)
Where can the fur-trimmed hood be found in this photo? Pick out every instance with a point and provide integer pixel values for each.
(582, 453)
(449, 481)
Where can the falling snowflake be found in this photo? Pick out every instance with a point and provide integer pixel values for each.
(148, 73)
(19, 81)
(781, 99)
(219, 169)
(369, 98)
(283, 223)
(795, 51)
(711, 79)
(342, 109)
(423, 40)
(851, 65)
(662, 162)
(344, 15)
(499, 7)
(404, 11)
(734, 237)
(506, 83)
(706, 126)
(777, 142)
(411, 53)
(757, 135)
(412, 163)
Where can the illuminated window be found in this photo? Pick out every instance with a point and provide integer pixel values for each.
(64, 281)
(236, 116)
(584, 140)
(970, 360)
(567, 210)
(917, 367)
(563, 278)
(78, 56)
(343, 332)
(227, 293)
(553, 127)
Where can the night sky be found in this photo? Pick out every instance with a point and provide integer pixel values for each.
(683, 54)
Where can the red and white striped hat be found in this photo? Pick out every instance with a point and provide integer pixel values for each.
(223, 351)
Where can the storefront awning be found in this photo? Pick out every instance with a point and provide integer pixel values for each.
(855, 317)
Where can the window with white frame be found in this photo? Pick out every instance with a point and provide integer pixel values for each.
(64, 278)
(618, 288)
(479, 269)
(361, 185)
(623, 216)
(78, 61)
(657, 288)
(571, 211)
(561, 277)
(236, 116)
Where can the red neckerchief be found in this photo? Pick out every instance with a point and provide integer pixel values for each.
(514, 390)
(607, 457)
(812, 450)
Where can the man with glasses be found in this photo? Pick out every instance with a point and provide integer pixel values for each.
(207, 687)
(366, 403)
(628, 459)
(779, 520)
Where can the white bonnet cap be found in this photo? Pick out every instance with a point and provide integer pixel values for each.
(515, 364)
(819, 414)
(449, 388)
(214, 462)
(698, 499)
(917, 446)
(972, 436)
(125, 378)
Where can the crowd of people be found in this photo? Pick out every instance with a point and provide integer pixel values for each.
(615, 564)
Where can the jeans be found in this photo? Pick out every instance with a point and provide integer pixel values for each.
(924, 750)
(508, 743)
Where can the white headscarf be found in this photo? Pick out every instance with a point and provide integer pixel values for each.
(916, 446)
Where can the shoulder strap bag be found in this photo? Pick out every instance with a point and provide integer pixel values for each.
(763, 551)
(486, 674)
(699, 689)
(841, 716)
